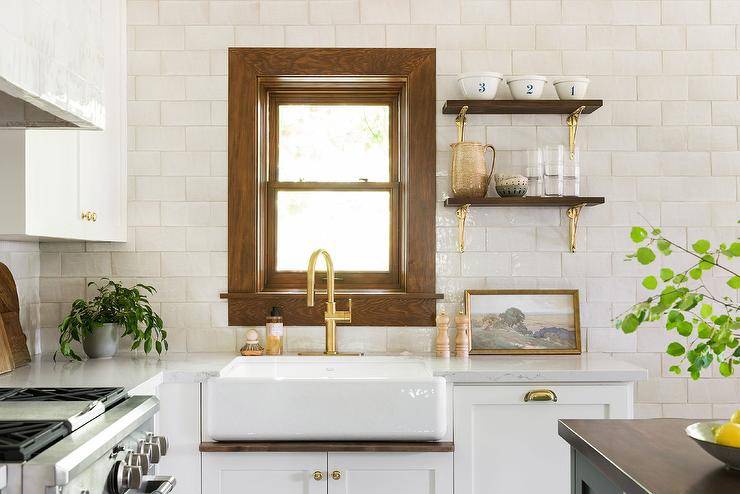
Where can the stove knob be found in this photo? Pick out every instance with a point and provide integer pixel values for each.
(138, 460)
(160, 440)
(150, 450)
(126, 477)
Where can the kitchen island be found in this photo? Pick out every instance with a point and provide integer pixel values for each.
(651, 456)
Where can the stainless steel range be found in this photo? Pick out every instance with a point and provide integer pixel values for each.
(79, 441)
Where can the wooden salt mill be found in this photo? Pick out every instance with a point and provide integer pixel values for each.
(443, 339)
(462, 332)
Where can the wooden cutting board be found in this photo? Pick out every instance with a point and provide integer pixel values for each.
(10, 321)
(6, 354)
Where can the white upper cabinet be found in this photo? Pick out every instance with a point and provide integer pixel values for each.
(71, 184)
(103, 154)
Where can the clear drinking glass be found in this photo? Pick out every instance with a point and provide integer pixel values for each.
(553, 169)
(572, 175)
(534, 172)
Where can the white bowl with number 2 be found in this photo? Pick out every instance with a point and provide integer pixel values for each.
(479, 85)
(526, 86)
(571, 87)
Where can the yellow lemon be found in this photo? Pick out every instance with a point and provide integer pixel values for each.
(735, 417)
(728, 435)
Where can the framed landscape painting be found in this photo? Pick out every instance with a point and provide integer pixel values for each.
(523, 321)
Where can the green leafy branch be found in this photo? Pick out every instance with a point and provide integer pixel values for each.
(115, 304)
(712, 336)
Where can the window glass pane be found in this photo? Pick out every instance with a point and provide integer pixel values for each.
(353, 226)
(334, 143)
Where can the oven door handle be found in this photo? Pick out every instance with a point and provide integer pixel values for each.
(159, 484)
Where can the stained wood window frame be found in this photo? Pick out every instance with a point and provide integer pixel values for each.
(410, 300)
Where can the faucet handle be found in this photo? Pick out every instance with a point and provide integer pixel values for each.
(346, 315)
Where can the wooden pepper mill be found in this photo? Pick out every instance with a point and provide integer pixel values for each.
(462, 338)
(443, 339)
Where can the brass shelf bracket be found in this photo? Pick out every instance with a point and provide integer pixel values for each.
(572, 122)
(573, 213)
(460, 123)
(462, 215)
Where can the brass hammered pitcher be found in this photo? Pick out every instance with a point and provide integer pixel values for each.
(469, 175)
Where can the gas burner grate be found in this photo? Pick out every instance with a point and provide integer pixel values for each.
(21, 440)
(108, 396)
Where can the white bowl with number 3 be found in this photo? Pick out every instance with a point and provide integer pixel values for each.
(571, 87)
(526, 86)
(479, 85)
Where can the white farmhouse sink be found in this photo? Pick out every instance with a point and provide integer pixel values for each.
(325, 399)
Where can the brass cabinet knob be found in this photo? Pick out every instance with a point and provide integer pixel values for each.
(89, 216)
(317, 475)
(541, 395)
(336, 475)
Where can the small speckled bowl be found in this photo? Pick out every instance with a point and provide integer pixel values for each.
(511, 185)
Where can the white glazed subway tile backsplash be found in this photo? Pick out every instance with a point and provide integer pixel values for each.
(664, 148)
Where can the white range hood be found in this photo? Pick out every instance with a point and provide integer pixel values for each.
(51, 70)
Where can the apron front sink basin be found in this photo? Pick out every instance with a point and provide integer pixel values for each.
(325, 399)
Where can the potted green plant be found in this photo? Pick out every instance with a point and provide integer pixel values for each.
(115, 311)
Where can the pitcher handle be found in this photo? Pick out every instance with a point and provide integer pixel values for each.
(493, 161)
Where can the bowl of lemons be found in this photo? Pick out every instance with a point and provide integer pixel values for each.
(719, 439)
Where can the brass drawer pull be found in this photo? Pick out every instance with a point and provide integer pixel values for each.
(336, 475)
(317, 475)
(541, 395)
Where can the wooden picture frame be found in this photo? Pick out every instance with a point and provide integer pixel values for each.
(510, 335)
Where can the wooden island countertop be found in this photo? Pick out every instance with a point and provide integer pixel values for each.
(644, 456)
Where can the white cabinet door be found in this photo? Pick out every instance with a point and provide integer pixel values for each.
(103, 153)
(48, 178)
(263, 473)
(52, 187)
(383, 473)
(504, 445)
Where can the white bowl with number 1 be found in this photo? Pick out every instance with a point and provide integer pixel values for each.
(479, 85)
(526, 86)
(571, 87)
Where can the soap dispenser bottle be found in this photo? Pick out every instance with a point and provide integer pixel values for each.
(274, 332)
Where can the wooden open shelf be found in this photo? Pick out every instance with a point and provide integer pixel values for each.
(488, 202)
(573, 203)
(541, 106)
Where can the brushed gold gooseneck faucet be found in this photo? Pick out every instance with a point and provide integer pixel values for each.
(331, 316)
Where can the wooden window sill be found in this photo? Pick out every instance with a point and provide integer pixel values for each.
(368, 308)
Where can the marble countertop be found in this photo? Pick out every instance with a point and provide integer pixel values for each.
(537, 368)
(139, 372)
